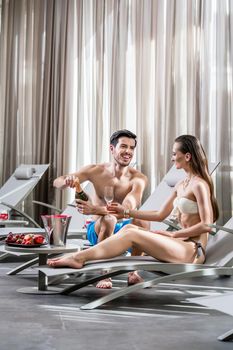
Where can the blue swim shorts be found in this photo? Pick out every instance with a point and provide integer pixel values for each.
(92, 236)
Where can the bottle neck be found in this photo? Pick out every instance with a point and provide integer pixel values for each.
(78, 188)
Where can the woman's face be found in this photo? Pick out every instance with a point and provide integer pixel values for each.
(179, 158)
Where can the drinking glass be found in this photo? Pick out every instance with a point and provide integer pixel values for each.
(108, 194)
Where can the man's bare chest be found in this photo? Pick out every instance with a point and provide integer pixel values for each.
(121, 187)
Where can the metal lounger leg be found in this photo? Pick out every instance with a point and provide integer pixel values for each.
(23, 266)
(228, 336)
(4, 255)
(92, 280)
(196, 273)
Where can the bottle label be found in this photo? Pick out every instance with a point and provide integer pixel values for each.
(81, 195)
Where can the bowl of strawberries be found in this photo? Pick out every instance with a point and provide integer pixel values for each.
(30, 240)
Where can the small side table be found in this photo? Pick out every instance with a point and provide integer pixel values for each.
(43, 252)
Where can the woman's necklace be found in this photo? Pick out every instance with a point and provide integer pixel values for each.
(187, 181)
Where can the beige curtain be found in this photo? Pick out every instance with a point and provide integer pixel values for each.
(33, 65)
(74, 71)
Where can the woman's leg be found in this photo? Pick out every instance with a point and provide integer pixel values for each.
(108, 248)
(160, 247)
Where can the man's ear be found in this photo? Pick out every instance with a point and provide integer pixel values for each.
(188, 157)
(111, 148)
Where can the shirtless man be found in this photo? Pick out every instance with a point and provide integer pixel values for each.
(128, 184)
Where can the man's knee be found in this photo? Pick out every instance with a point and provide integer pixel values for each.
(106, 227)
(109, 220)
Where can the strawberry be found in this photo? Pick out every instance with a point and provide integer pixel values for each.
(38, 239)
(29, 236)
(28, 243)
(9, 237)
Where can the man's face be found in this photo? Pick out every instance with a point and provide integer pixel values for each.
(123, 151)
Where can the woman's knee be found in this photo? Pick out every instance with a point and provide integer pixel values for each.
(141, 223)
(128, 227)
(130, 232)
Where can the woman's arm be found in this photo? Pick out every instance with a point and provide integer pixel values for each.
(148, 215)
(192, 231)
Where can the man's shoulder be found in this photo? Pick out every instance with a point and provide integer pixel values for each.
(96, 168)
(136, 174)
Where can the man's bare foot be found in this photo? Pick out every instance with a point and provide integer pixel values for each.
(105, 284)
(67, 261)
(134, 278)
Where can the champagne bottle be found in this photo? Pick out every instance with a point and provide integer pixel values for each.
(79, 193)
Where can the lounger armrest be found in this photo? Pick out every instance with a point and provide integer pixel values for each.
(219, 227)
(29, 218)
(48, 206)
(171, 224)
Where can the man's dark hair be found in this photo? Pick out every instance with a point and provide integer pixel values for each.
(122, 133)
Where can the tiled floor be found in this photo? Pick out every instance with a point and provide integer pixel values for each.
(157, 318)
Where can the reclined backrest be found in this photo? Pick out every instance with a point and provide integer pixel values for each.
(219, 250)
(21, 183)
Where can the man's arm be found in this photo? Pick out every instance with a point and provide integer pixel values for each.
(65, 181)
(134, 197)
(87, 208)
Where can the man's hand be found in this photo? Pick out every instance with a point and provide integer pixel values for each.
(116, 209)
(70, 180)
(87, 208)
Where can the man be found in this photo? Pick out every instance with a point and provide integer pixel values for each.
(127, 182)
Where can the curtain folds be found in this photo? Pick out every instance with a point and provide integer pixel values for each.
(73, 71)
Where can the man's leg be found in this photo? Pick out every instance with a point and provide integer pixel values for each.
(104, 228)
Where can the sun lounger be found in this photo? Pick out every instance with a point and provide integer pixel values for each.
(157, 198)
(219, 261)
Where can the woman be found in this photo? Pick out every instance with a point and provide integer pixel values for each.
(192, 204)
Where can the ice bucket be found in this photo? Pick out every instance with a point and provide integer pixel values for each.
(56, 227)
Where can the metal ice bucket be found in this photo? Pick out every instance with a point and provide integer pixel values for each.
(56, 227)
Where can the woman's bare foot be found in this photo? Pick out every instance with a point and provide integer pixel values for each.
(67, 261)
(134, 278)
(105, 284)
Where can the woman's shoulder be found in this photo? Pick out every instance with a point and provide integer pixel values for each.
(200, 184)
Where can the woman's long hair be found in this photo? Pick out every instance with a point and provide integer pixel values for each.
(199, 164)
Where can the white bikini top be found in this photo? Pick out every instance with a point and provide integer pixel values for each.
(185, 205)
